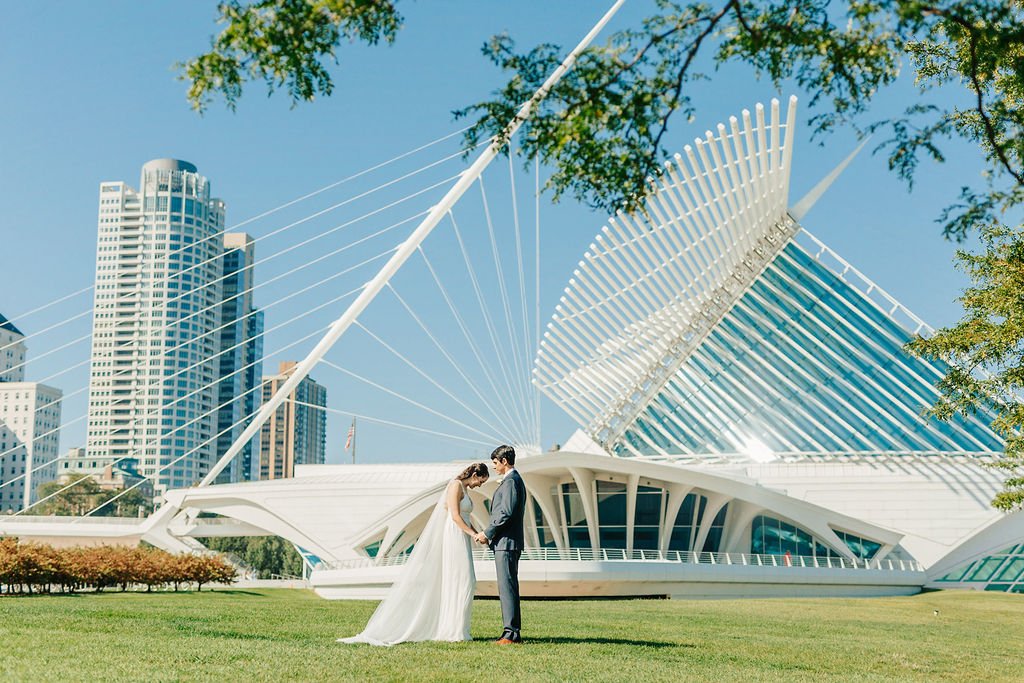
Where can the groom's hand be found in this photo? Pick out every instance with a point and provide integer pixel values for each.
(481, 538)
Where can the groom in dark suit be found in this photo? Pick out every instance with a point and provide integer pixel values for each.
(504, 535)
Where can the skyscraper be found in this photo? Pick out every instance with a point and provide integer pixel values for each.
(12, 352)
(153, 385)
(241, 350)
(296, 433)
(29, 425)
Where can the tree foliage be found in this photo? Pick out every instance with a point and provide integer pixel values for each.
(985, 350)
(81, 494)
(602, 128)
(38, 568)
(268, 555)
(284, 43)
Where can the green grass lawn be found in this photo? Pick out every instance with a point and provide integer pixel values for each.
(274, 635)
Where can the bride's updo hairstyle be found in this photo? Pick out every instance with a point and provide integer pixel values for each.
(478, 469)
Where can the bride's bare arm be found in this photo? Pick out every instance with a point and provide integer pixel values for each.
(454, 496)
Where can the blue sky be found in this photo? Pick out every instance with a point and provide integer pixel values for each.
(90, 94)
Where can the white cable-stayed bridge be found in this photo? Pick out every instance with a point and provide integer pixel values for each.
(461, 319)
(443, 356)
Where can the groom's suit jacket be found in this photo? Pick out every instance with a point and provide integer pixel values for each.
(508, 504)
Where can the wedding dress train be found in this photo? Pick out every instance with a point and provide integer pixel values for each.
(432, 598)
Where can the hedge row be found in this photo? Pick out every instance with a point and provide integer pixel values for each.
(33, 567)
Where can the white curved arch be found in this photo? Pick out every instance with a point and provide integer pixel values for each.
(1001, 533)
(542, 473)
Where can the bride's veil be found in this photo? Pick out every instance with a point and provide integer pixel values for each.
(410, 610)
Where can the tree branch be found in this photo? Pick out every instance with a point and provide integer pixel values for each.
(977, 87)
(681, 76)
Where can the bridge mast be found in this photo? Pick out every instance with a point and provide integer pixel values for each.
(380, 280)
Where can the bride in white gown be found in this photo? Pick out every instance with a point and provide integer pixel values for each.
(432, 599)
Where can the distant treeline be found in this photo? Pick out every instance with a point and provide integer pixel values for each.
(267, 555)
(37, 568)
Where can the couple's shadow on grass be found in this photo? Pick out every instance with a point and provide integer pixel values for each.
(632, 642)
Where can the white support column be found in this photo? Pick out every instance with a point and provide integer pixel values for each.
(787, 147)
(407, 248)
(539, 489)
(715, 504)
(676, 496)
(827, 535)
(883, 551)
(736, 536)
(585, 483)
(532, 535)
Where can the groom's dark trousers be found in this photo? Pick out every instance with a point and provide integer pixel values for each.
(505, 534)
(506, 563)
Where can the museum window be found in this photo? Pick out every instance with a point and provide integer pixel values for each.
(687, 522)
(861, 547)
(647, 520)
(713, 542)
(575, 519)
(611, 514)
(545, 536)
(770, 536)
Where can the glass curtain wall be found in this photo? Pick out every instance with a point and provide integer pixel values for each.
(713, 543)
(870, 381)
(612, 513)
(770, 536)
(575, 518)
(688, 519)
(1002, 571)
(861, 547)
(545, 535)
(650, 507)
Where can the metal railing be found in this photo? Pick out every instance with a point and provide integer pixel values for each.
(859, 281)
(818, 456)
(671, 556)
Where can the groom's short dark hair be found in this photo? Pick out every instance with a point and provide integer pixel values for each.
(506, 453)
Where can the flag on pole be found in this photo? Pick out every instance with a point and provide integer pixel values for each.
(351, 435)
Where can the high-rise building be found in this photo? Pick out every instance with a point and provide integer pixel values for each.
(241, 350)
(296, 434)
(153, 385)
(12, 352)
(29, 425)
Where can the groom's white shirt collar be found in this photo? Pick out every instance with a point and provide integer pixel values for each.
(502, 478)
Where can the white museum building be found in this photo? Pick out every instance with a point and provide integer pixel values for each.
(749, 423)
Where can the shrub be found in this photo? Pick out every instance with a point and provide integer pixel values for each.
(33, 567)
(200, 569)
